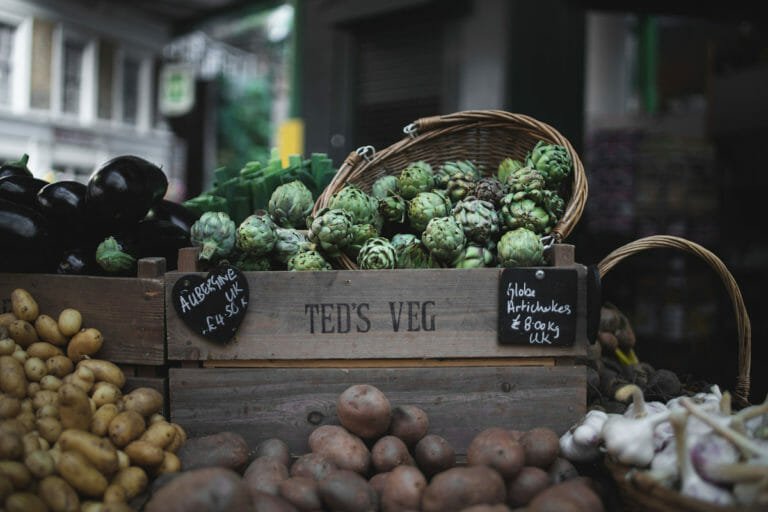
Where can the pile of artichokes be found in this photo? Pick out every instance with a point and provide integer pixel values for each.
(422, 217)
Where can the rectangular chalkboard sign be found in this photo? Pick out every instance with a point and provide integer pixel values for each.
(537, 306)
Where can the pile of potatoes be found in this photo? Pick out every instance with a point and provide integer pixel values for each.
(379, 458)
(70, 441)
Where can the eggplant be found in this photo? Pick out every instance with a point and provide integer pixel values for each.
(175, 213)
(63, 204)
(21, 189)
(26, 244)
(16, 168)
(79, 261)
(120, 193)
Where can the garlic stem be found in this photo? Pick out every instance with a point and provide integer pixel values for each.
(748, 447)
(738, 472)
(678, 419)
(638, 400)
(725, 404)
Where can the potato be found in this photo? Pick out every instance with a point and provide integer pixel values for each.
(274, 448)
(48, 330)
(16, 472)
(85, 343)
(35, 369)
(115, 494)
(202, 490)
(122, 459)
(74, 407)
(345, 450)
(24, 305)
(156, 418)
(562, 470)
(378, 481)
(9, 406)
(312, 465)
(462, 487)
(58, 495)
(105, 371)
(47, 410)
(491, 508)
(145, 401)
(126, 427)
(495, 447)
(7, 346)
(265, 474)
(528, 482)
(13, 380)
(45, 397)
(70, 321)
(6, 488)
(541, 446)
(179, 440)
(49, 428)
(434, 454)
(24, 502)
(133, 479)
(224, 449)
(364, 410)
(97, 450)
(171, 464)
(40, 464)
(50, 383)
(83, 378)
(60, 366)
(388, 453)
(43, 350)
(409, 423)
(13, 425)
(161, 434)
(301, 492)
(81, 474)
(575, 495)
(347, 491)
(264, 502)
(27, 419)
(105, 393)
(403, 489)
(144, 454)
(20, 354)
(11, 445)
(6, 319)
(32, 442)
(101, 419)
(23, 333)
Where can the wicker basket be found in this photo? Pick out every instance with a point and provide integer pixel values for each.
(485, 137)
(639, 492)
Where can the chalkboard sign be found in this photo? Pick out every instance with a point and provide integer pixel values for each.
(537, 306)
(212, 306)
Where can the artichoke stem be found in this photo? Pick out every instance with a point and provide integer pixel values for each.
(208, 250)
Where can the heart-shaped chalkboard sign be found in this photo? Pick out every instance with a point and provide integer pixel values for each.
(213, 305)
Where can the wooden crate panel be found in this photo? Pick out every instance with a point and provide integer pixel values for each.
(129, 312)
(289, 403)
(436, 313)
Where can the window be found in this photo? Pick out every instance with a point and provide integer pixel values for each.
(131, 68)
(73, 76)
(6, 62)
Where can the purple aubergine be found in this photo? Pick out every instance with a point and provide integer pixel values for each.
(21, 189)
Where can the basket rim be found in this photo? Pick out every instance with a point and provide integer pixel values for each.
(429, 128)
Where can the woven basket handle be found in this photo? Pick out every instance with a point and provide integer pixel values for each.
(426, 124)
(742, 318)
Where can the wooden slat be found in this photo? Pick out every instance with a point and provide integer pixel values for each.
(129, 312)
(383, 363)
(289, 312)
(290, 402)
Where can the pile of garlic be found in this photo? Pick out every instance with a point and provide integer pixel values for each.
(694, 445)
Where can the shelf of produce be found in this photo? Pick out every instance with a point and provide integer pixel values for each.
(428, 337)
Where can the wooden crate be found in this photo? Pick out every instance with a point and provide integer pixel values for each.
(129, 312)
(281, 373)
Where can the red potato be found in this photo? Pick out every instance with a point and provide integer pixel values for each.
(462, 487)
(301, 492)
(403, 489)
(409, 423)
(574, 495)
(541, 446)
(496, 448)
(388, 453)
(265, 474)
(274, 447)
(346, 491)
(202, 490)
(313, 465)
(224, 449)
(364, 410)
(434, 454)
(528, 482)
(345, 450)
(263, 502)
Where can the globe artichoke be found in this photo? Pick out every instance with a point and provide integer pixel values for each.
(256, 234)
(552, 160)
(425, 207)
(526, 213)
(490, 189)
(478, 219)
(289, 242)
(461, 184)
(360, 233)
(215, 233)
(413, 254)
(392, 209)
(384, 186)
(331, 230)
(507, 167)
(363, 208)
(444, 238)
(290, 204)
(402, 239)
(473, 256)
(376, 254)
(527, 181)
(554, 204)
(520, 248)
(308, 260)
(415, 178)
(249, 262)
(448, 169)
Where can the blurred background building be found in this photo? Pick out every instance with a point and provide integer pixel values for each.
(665, 101)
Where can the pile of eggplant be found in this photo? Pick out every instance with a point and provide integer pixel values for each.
(101, 227)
